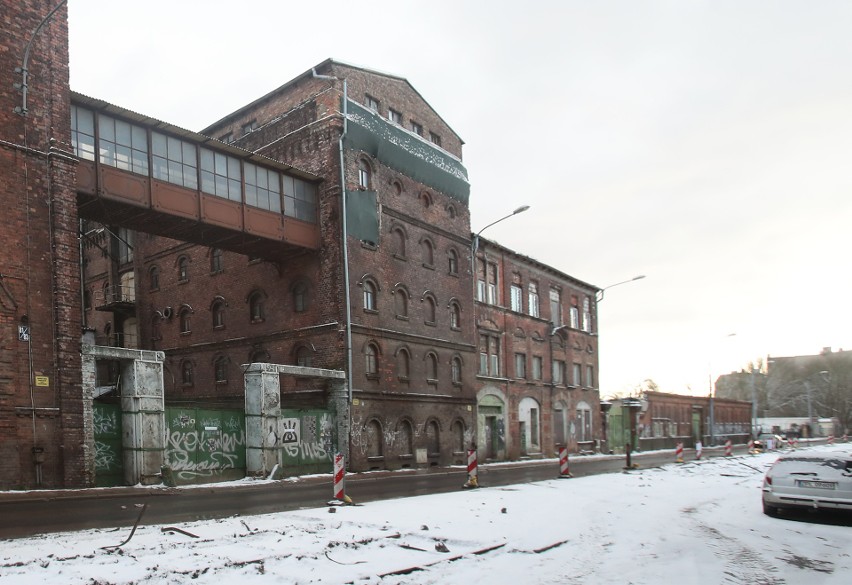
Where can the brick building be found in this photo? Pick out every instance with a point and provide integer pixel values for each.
(537, 380)
(41, 416)
(294, 280)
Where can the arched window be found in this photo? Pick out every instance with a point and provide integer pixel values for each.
(183, 269)
(402, 364)
(426, 199)
(401, 302)
(185, 320)
(431, 367)
(406, 438)
(453, 261)
(428, 252)
(220, 369)
(587, 315)
(303, 357)
(186, 373)
(369, 296)
(430, 308)
(455, 315)
(155, 327)
(300, 297)
(456, 368)
(256, 306)
(433, 439)
(398, 242)
(530, 427)
(451, 211)
(584, 422)
(218, 313)
(375, 439)
(457, 432)
(364, 174)
(216, 261)
(371, 360)
(154, 278)
(560, 423)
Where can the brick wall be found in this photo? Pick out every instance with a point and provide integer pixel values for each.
(38, 231)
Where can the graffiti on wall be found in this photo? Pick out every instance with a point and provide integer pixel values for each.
(106, 420)
(204, 443)
(307, 438)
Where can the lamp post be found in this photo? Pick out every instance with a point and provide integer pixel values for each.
(712, 398)
(474, 245)
(600, 294)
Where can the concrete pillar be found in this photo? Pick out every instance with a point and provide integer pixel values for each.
(88, 390)
(339, 404)
(263, 409)
(143, 417)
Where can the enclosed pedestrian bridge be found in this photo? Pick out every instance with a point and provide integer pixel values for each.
(149, 176)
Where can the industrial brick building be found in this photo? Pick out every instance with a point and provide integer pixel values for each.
(294, 280)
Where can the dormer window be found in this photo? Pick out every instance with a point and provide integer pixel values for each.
(394, 116)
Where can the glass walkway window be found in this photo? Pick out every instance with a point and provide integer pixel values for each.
(300, 199)
(174, 160)
(220, 175)
(123, 145)
(263, 188)
(83, 132)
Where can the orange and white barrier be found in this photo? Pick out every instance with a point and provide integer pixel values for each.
(751, 446)
(698, 448)
(679, 453)
(831, 439)
(563, 463)
(472, 471)
(729, 448)
(339, 475)
(845, 438)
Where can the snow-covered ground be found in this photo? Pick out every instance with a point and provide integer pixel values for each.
(695, 523)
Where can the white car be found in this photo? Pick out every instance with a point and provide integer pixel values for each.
(809, 479)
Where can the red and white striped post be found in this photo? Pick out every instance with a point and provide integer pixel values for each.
(751, 446)
(679, 453)
(831, 439)
(339, 474)
(472, 471)
(729, 448)
(791, 443)
(845, 438)
(563, 463)
(698, 448)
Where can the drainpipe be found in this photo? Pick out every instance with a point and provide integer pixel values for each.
(344, 232)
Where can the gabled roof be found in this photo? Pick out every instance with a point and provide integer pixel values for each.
(310, 73)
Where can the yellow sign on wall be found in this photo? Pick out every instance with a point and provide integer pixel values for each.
(42, 381)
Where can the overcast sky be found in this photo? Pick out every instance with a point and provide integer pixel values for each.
(705, 144)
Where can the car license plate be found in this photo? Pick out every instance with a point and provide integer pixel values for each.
(823, 485)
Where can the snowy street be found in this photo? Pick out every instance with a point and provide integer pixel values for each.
(698, 522)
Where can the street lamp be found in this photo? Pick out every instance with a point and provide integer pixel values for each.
(600, 294)
(712, 398)
(474, 245)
